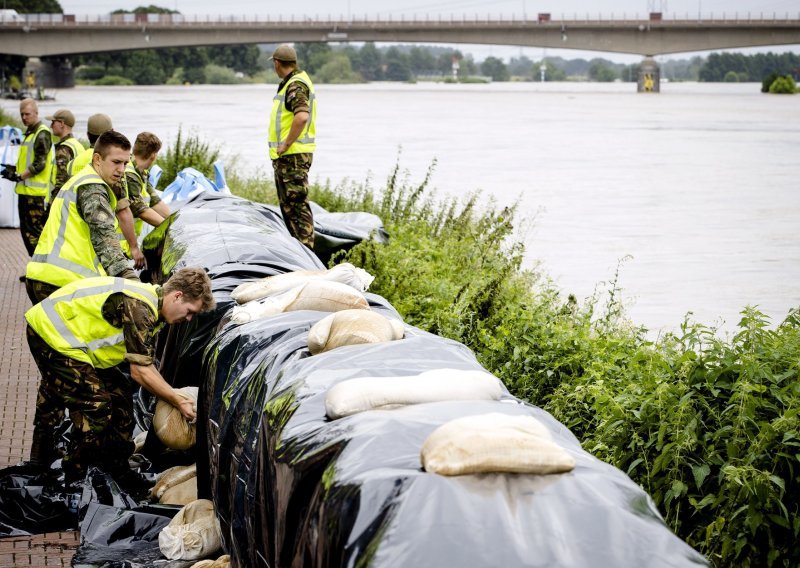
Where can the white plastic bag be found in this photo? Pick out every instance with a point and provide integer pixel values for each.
(193, 533)
(344, 273)
(320, 295)
(369, 393)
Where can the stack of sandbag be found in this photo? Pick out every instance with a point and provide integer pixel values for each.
(171, 427)
(345, 273)
(176, 485)
(371, 393)
(493, 443)
(193, 533)
(352, 327)
(319, 295)
(223, 561)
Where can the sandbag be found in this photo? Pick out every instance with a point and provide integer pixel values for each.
(138, 441)
(369, 393)
(223, 561)
(352, 327)
(171, 427)
(180, 494)
(319, 295)
(493, 443)
(176, 485)
(193, 533)
(345, 273)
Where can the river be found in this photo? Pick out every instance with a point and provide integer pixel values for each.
(698, 187)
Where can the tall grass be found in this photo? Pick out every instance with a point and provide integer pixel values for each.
(707, 425)
(187, 151)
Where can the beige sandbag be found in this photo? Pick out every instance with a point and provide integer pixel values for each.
(192, 534)
(223, 561)
(204, 564)
(320, 295)
(352, 327)
(344, 273)
(172, 477)
(171, 427)
(180, 494)
(368, 393)
(493, 443)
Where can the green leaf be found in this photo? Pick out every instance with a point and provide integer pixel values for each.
(700, 473)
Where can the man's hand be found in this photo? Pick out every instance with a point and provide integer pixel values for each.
(10, 173)
(187, 408)
(138, 258)
(282, 147)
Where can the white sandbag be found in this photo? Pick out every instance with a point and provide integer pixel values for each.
(180, 494)
(173, 477)
(319, 295)
(352, 327)
(345, 273)
(192, 534)
(493, 443)
(138, 441)
(171, 427)
(369, 393)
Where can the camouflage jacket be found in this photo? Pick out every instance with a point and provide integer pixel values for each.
(139, 326)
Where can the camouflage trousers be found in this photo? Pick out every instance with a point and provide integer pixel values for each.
(37, 290)
(100, 404)
(291, 183)
(32, 215)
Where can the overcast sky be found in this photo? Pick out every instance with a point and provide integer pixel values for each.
(506, 8)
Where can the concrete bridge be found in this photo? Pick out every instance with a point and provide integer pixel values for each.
(37, 35)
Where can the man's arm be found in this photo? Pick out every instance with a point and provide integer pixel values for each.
(95, 208)
(126, 224)
(161, 208)
(298, 124)
(149, 377)
(41, 148)
(150, 217)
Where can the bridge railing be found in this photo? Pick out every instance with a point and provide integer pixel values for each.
(327, 20)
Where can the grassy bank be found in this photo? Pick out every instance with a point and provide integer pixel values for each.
(708, 426)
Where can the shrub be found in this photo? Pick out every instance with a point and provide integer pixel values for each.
(187, 151)
(218, 75)
(783, 86)
(113, 80)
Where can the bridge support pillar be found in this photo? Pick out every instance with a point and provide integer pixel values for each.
(52, 73)
(649, 76)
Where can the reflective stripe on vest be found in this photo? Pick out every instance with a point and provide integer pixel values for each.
(71, 320)
(65, 252)
(281, 120)
(38, 185)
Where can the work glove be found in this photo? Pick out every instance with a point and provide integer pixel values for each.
(10, 173)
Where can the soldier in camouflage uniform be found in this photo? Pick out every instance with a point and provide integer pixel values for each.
(93, 213)
(32, 174)
(71, 336)
(67, 148)
(292, 143)
(145, 203)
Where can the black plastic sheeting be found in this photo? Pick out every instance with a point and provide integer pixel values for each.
(294, 488)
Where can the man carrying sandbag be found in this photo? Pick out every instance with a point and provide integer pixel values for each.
(78, 337)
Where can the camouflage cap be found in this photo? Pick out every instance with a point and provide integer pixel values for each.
(285, 53)
(98, 124)
(64, 116)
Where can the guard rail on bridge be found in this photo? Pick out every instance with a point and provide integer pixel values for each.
(55, 34)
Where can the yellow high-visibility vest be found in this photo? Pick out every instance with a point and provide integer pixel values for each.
(82, 159)
(38, 185)
(281, 120)
(130, 168)
(75, 146)
(71, 320)
(65, 252)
